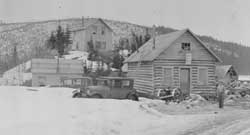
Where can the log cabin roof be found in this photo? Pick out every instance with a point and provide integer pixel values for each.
(222, 70)
(150, 51)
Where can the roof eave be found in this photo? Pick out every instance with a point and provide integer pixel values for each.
(210, 51)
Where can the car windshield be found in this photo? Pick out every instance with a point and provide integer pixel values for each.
(67, 82)
(102, 82)
(121, 83)
(77, 82)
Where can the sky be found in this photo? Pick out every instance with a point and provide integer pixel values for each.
(227, 20)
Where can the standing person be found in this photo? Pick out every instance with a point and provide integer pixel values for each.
(221, 91)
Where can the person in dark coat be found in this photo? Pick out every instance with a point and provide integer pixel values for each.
(221, 92)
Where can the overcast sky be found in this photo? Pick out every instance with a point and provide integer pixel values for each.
(227, 20)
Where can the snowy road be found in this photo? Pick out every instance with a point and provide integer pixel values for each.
(52, 111)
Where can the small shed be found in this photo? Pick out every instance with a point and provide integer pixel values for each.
(226, 73)
(178, 59)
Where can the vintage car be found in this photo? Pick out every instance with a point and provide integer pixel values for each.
(112, 87)
(79, 84)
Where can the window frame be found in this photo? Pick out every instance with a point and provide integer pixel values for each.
(163, 82)
(95, 29)
(186, 46)
(198, 79)
(103, 31)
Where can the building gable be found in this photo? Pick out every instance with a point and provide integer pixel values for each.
(98, 25)
(198, 50)
(159, 48)
(97, 31)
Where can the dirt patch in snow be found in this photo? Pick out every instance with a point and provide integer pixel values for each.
(198, 105)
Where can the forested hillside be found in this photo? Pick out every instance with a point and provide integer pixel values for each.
(29, 39)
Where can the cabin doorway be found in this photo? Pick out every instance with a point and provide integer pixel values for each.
(185, 81)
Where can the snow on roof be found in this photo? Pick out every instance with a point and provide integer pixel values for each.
(162, 42)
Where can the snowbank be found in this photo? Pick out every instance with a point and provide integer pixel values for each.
(52, 111)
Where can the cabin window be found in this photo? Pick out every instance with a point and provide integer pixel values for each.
(103, 31)
(167, 77)
(186, 46)
(203, 76)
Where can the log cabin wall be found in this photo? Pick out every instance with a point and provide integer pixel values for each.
(195, 86)
(143, 76)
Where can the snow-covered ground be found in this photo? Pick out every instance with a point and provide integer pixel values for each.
(52, 111)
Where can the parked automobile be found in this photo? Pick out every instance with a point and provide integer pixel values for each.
(112, 87)
(79, 84)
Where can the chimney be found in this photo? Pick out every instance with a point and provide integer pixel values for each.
(154, 35)
(82, 21)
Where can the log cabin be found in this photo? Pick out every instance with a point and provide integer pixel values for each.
(178, 59)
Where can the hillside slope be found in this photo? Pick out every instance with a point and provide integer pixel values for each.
(30, 37)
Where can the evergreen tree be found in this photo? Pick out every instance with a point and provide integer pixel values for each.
(133, 47)
(147, 37)
(140, 42)
(67, 37)
(118, 61)
(59, 41)
(92, 56)
(15, 56)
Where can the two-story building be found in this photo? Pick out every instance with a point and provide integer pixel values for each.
(97, 31)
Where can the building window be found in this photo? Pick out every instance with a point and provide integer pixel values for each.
(103, 31)
(100, 45)
(103, 45)
(203, 77)
(94, 29)
(186, 46)
(167, 77)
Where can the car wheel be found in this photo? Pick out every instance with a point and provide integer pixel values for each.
(76, 95)
(133, 97)
(96, 96)
(243, 93)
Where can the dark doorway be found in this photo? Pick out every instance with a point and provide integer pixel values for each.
(185, 80)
